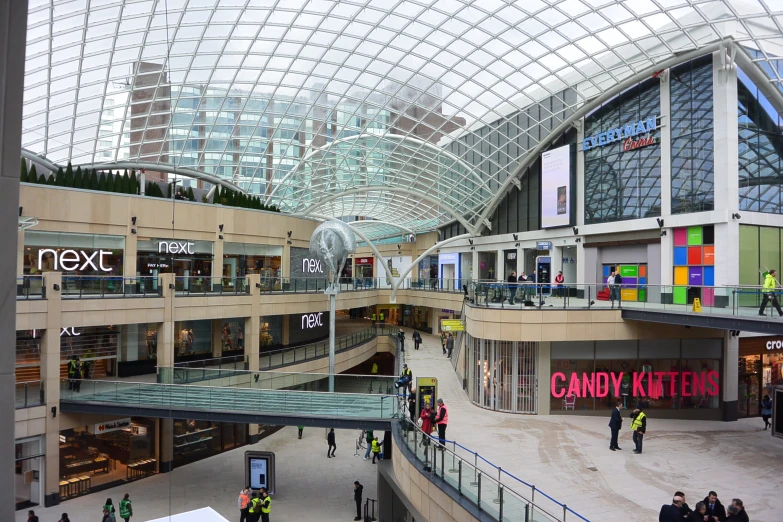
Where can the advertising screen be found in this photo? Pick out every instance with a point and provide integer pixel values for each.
(556, 187)
(258, 473)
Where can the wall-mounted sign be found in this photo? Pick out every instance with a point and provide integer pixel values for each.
(312, 266)
(69, 332)
(774, 345)
(543, 245)
(451, 258)
(556, 187)
(365, 260)
(511, 256)
(452, 325)
(639, 384)
(176, 247)
(447, 311)
(73, 260)
(312, 320)
(106, 427)
(626, 134)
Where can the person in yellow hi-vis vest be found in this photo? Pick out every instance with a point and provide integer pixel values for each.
(266, 505)
(638, 427)
(374, 370)
(770, 283)
(376, 449)
(373, 319)
(254, 513)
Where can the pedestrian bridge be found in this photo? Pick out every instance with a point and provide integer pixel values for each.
(275, 398)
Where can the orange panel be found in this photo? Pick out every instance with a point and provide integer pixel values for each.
(642, 270)
(709, 255)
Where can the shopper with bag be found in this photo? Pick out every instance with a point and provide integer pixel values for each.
(427, 419)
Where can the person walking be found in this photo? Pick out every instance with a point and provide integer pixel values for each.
(405, 380)
(374, 369)
(442, 421)
(559, 285)
(715, 510)
(64, 518)
(382, 318)
(126, 508)
(770, 284)
(301, 430)
(449, 345)
(32, 517)
(512, 287)
(376, 449)
(443, 342)
(671, 512)
(368, 438)
(108, 505)
(254, 511)
(73, 367)
(243, 503)
(357, 497)
(401, 338)
(615, 424)
(332, 445)
(266, 505)
(617, 288)
(416, 339)
(766, 410)
(373, 318)
(638, 427)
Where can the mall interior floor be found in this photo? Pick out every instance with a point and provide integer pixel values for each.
(568, 457)
(309, 486)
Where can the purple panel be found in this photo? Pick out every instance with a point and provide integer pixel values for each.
(695, 276)
(629, 280)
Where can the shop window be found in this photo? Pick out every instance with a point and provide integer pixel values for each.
(195, 440)
(193, 338)
(634, 276)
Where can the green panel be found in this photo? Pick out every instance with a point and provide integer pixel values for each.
(680, 295)
(748, 262)
(642, 295)
(629, 270)
(695, 236)
(769, 249)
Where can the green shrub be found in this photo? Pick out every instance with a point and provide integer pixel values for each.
(23, 175)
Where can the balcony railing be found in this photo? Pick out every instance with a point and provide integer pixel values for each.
(30, 287)
(110, 286)
(194, 285)
(29, 394)
(307, 352)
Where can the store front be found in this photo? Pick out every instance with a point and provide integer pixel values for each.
(195, 440)
(760, 369)
(509, 263)
(466, 267)
(428, 271)
(449, 268)
(192, 340)
(232, 337)
(28, 472)
(95, 346)
(307, 328)
(694, 266)
(240, 260)
(73, 255)
(677, 378)
(107, 454)
(487, 264)
(185, 258)
(138, 349)
(364, 269)
(502, 374)
(271, 332)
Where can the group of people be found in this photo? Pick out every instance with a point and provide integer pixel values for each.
(254, 505)
(614, 282)
(638, 427)
(446, 343)
(708, 510)
(109, 513)
(373, 446)
(77, 370)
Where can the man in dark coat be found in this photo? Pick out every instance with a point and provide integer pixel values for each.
(685, 509)
(715, 509)
(357, 497)
(671, 512)
(615, 423)
(742, 514)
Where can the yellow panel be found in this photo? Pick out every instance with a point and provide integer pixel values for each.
(681, 275)
(629, 294)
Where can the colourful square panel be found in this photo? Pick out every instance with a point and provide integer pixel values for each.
(709, 255)
(694, 255)
(629, 270)
(695, 276)
(642, 280)
(679, 295)
(708, 297)
(642, 294)
(629, 294)
(680, 256)
(709, 276)
(630, 281)
(681, 275)
(642, 270)
(695, 236)
(607, 270)
(680, 236)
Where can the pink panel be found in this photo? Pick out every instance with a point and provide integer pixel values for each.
(708, 297)
(680, 236)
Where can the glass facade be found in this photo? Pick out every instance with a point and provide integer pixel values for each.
(692, 137)
(240, 259)
(655, 374)
(623, 184)
(73, 254)
(192, 338)
(760, 248)
(195, 439)
(502, 374)
(760, 150)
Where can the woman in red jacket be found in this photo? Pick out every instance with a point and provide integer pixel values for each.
(427, 417)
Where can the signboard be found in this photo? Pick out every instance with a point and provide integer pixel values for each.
(452, 325)
(511, 256)
(452, 258)
(556, 187)
(543, 245)
(365, 260)
(626, 134)
(115, 425)
(260, 470)
(176, 247)
(73, 260)
(312, 266)
(427, 389)
(313, 320)
(644, 384)
(774, 345)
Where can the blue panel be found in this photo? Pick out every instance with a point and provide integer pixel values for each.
(606, 271)
(680, 256)
(642, 280)
(709, 276)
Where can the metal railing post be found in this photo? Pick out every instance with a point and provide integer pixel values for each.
(527, 512)
(478, 501)
(500, 500)
(459, 477)
(533, 494)
(565, 512)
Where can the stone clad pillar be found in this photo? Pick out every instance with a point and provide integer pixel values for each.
(253, 325)
(50, 377)
(730, 377)
(166, 334)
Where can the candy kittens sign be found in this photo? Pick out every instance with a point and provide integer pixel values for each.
(641, 384)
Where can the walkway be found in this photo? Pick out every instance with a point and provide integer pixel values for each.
(568, 458)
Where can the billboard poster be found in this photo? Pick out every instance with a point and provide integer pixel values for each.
(556, 187)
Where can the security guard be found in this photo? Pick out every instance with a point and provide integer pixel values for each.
(374, 370)
(376, 449)
(266, 505)
(638, 427)
(770, 283)
(74, 374)
(254, 513)
(382, 318)
(373, 319)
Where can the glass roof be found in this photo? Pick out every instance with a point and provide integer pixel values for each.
(347, 108)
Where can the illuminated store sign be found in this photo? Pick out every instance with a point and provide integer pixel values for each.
(641, 384)
(312, 266)
(774, 345)
(626, 134)
(106, 427)
(73, 260)
(176, 247)
(312, 320)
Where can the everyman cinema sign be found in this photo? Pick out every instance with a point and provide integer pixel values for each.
(633, 135)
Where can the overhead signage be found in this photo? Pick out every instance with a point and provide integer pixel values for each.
(626, 134)
(176, 247)
(116, 425)
(447, 311)
(638, 384)
(543, 245)
(364, 260)
(556, 187)
(312, 266)
(72, 260)
(312, 320)
(774, 345)
(451, 258)
(452, 325)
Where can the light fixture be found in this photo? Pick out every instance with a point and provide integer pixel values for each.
(133, 220)
(736, 216)
(289, 242)
(578, 240)
(220, 236)
(473, 248)
(20, 211)
(133, 231)
(289, 233)
(576, 231)
(660, 222)
(663, 233)
(220, 226)
(258, 285)
(516, 236)
(171, 286)
(56, 287)
(516, 244)
(54, 411)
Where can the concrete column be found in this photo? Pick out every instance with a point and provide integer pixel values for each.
(666, 146)
(166, 334)
(500, 265)
(130, 269)
(285, 262)
(730, 377)
(217, 337)
(475, 274)
(543, 371)
(580, 175)
(50, 375)
(166, 445)
(252, 331)
(13, 39)
(20, 254)
(217, 260)
(284, 334)
(520, 260)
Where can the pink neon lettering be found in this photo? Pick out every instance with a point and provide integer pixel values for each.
(573, 386)
(588, 385)
(673, 377)
(638, 388)
(697, 386)
(659, 378)
(602, 384)
(712, 384)
(555, 377)
(617, 379)
(685, 385)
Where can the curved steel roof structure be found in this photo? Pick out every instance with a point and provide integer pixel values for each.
(343, 108)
